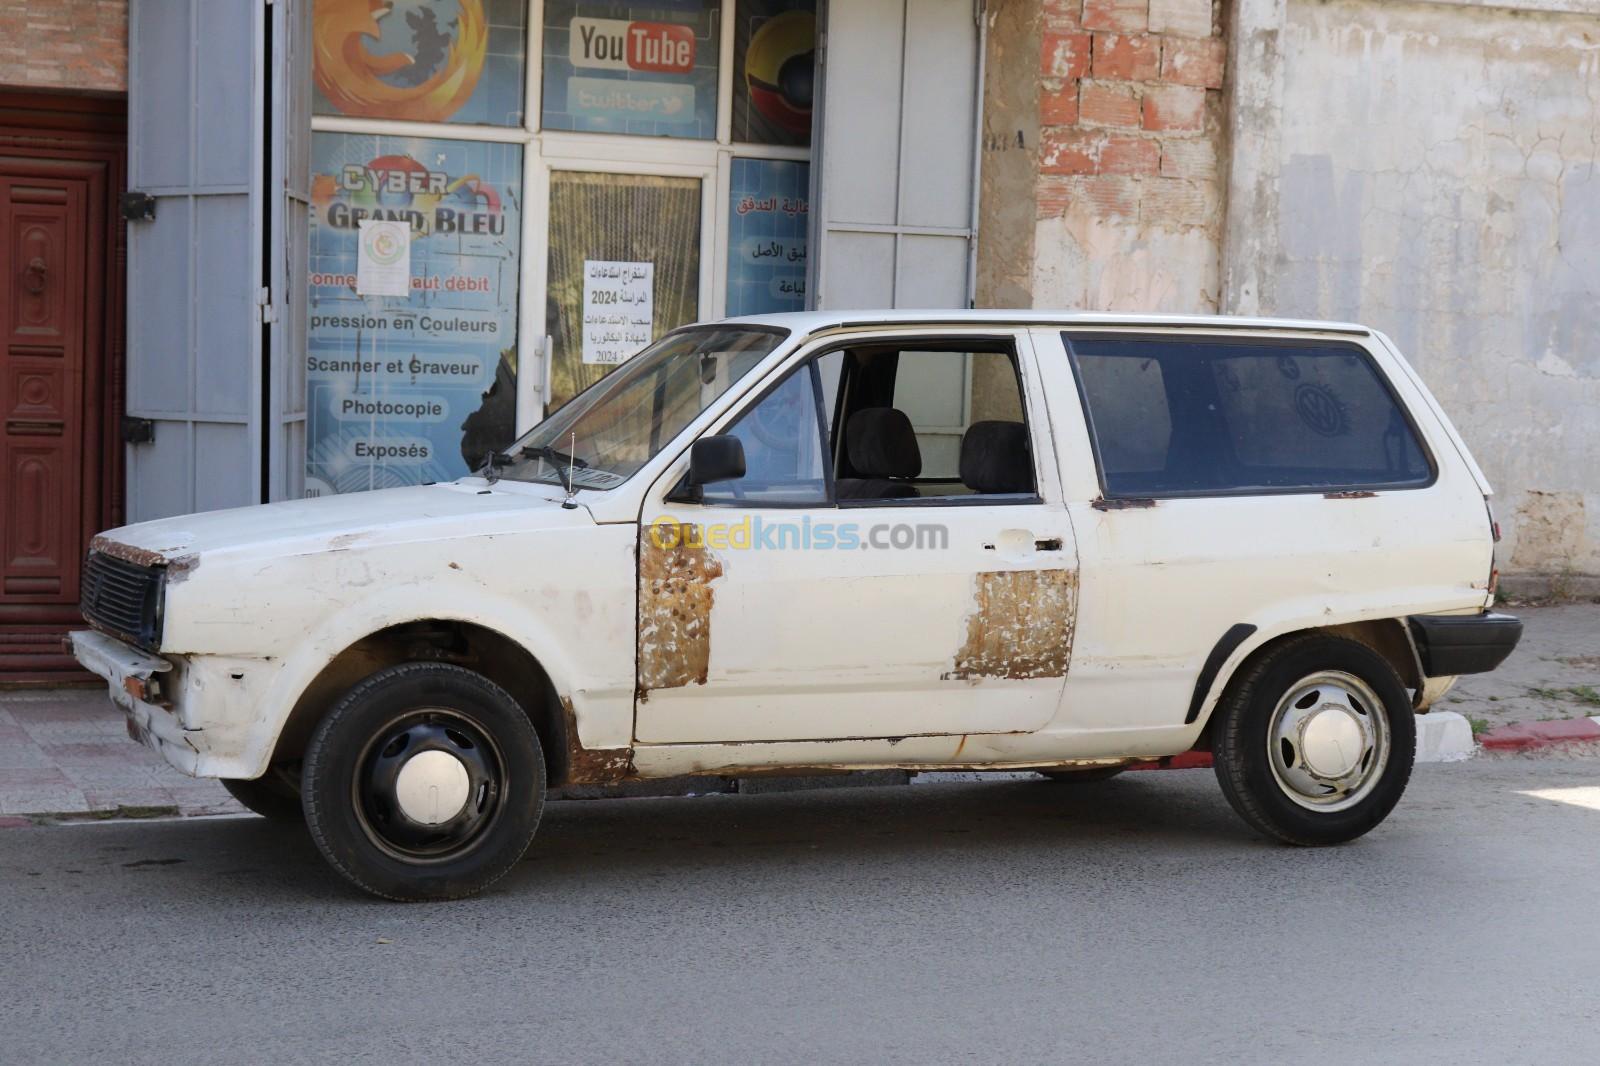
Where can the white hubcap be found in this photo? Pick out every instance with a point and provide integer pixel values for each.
(1331, 743)
(432, 787)
(1328, 741)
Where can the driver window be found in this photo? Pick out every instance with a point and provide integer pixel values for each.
(782, 448)
(932, 420)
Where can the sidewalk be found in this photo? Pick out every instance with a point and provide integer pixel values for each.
(67, 752)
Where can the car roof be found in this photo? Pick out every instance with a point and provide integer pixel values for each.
(806, 322)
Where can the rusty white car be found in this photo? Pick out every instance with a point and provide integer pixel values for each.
(825, 542)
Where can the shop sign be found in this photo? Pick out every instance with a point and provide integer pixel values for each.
(616, 44)
(646, 69)
(767, 229)
(403, 389)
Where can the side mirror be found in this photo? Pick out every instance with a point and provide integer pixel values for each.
(711, 459)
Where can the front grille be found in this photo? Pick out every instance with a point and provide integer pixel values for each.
(123, 598)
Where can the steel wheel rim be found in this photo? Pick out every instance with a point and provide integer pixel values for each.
(1328, 741)
(387, 817)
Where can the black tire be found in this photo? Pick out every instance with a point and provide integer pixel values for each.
(1084, 776)
(1253, 778)
(353, 772)
(275, 794)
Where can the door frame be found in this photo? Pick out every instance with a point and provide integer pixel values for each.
(82, 137)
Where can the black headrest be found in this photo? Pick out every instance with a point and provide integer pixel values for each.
(994, 457)
(881, 443)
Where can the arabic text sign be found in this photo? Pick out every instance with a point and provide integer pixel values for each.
(767, 221)
(618, 310)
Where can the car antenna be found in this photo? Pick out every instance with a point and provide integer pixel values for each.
(572, 461)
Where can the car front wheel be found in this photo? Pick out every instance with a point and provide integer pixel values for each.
(1314, 742)
(275, 794)
(426, 781)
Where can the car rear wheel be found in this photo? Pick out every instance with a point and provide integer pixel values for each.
(426, 781)
(1314, 743)
(275, 794)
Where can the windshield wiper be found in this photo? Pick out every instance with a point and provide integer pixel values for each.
(558, 459)
(492, 462)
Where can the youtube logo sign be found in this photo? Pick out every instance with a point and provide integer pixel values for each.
(617, 44)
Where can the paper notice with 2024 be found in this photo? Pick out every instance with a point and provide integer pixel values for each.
(618, 310)
(383, 258)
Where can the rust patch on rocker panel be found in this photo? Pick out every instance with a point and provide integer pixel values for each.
(592, 766)
(1020, 626)
(675, 597)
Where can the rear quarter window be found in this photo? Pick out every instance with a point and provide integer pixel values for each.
(1177, 416)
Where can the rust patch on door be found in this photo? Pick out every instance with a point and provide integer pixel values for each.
(1020, 626)
(675, 597)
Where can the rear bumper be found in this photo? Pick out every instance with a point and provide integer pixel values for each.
(1451, 644)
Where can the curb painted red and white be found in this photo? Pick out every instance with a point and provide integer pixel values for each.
(1531, 736)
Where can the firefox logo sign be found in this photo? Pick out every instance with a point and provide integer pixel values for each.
(779, 70)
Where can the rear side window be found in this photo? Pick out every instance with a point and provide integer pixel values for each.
(1197, 416)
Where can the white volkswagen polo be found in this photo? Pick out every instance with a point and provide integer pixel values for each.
(824, 542)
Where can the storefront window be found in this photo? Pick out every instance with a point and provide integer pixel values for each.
(775, 52)
(624, 269)
(421, 60)
(422, 131)
(767, 236)
(647, 69)
(406, 389)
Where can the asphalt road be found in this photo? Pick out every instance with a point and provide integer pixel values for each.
(1134, 920)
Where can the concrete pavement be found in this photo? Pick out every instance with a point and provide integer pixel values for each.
(1134, 920)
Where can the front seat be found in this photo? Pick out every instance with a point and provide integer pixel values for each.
(882, 448)
(995, 458)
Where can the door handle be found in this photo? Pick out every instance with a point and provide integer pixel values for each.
(1017, 543)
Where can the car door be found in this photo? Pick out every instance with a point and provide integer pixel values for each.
(772, 609)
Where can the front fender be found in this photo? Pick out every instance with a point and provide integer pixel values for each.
(574, 613)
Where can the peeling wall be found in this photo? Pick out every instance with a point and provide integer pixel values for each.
(1129, 196)
(1432, 169)
(1010, 154)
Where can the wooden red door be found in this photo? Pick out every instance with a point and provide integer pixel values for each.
(46, 324)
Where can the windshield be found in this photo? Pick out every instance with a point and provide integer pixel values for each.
(611, 429)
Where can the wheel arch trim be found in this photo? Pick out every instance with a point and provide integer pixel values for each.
(1385, 634)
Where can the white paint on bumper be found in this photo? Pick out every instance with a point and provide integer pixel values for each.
(127, 672)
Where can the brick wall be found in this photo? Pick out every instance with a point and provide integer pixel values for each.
(1130, 127)
(64, 44)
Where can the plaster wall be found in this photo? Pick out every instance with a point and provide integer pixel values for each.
(1433, 170)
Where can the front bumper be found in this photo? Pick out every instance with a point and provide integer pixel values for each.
(1452, 644)
(135, 677)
